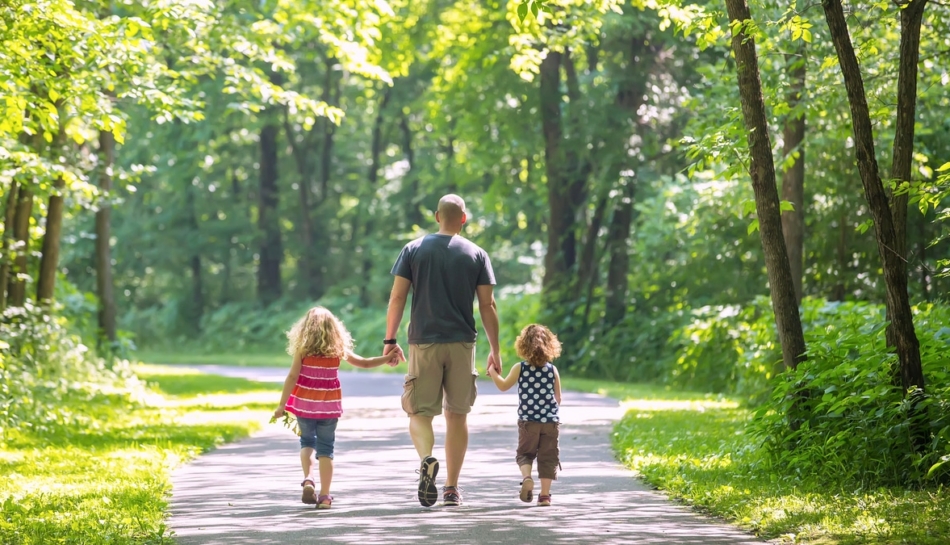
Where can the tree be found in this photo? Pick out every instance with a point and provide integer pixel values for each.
(895, 277)
(762, 172)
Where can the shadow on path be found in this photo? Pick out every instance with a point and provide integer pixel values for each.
(248, 492)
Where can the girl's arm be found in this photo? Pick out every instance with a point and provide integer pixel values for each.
(367, 363)
(504, 384)
(289, 384)
(557, 385)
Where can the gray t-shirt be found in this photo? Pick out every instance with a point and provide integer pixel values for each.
(444, 271)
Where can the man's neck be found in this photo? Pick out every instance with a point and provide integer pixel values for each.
(447, 233)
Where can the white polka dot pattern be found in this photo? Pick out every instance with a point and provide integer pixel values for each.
(536, 390)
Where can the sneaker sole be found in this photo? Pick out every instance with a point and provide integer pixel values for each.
(428, 493)
(527, 488)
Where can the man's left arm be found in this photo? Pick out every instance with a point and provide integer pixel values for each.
(489, 313)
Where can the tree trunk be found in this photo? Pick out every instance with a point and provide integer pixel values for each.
(561, 251)
(49, 260)
(376, 151)
(617, 235)
(923, 241)
(105, 288)
(414, 215)
(903, 147)
(895, 277)
(793, 179)
(762, 172)
(841, 256)
(9, 217)
(268, 220)
(309, 271)
(21, 236)
(195, 306)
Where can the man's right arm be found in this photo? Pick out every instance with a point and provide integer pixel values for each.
(397, 305)
(489, 313)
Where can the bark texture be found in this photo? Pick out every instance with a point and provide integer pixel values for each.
(793, 179)
(49, 260)
(21, 238)
(9, 216)
(105, 288)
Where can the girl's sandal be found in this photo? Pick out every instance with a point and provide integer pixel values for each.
(544, 500)
(324, 502)
(527, 488)
(309, 492)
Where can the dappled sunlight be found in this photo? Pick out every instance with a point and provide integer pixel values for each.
(248, 492)
(677, 405)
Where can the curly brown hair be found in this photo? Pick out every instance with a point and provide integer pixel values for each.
(537, 345)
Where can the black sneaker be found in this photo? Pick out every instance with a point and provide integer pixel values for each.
(428, 493)
(451, 496)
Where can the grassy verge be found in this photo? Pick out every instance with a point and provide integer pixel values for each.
(106, 478)
(693, 447)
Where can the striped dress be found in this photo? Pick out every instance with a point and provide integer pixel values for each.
(317, 393)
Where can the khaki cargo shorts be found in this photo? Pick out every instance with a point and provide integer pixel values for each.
(436, 369)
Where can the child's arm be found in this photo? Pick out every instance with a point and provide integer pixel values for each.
(289, 384)
(504, 384)
(367, 363)
(557, 385)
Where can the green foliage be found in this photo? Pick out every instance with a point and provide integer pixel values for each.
(44, 365)
(105, 479)
(698, 452)
(841, 416)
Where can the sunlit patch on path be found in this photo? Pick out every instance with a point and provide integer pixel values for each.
(248, 492)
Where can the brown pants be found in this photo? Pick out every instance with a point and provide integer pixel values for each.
(539, 440)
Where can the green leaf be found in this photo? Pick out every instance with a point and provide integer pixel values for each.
(786, 206)
(522, 11)
(945, 166)
(53, 95)
(753, 227)
(534, 8)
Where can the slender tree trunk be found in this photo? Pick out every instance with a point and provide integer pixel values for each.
(841, 256)
(762, 172)
(49, 260)
(268, 221)
(376, 151)
(414, 214)
(793, 179)
(895, 276)
(9, 216)
(617, 243)
(903, 147)
(561, 252)
(922, 241)
(104, 284)
(21, 236)
(310, 278)
(196, 305)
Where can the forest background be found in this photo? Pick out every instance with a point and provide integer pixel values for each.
(659, 182)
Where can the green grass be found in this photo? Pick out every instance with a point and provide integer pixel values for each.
(693, 447)
(106, 479)
(252, 359)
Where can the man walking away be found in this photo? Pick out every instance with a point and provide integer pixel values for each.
(446, 273)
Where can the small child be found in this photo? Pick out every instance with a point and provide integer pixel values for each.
(318, 342)
(539, 395)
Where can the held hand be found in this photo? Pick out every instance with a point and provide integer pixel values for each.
(393, 361)
(494, 361)
(396, 350)
(491, 372)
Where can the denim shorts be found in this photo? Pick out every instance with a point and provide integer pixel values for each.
(319, 434)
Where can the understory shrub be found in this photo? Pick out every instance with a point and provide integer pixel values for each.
(841, 416)
(46, 371)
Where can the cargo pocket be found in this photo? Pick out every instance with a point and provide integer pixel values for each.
(474, 392)
(408, 395)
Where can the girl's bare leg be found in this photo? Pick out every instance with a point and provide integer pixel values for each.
(525, 470)
(307, 461)
(326, 475)
(546, 487)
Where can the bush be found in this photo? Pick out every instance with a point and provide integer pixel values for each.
(44, 364)
(842, 417)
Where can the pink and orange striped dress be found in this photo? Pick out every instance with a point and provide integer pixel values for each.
(317, 393)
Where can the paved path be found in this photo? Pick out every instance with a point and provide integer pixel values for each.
(248, 492)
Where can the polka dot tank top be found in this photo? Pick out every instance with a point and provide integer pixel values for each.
(536, 401)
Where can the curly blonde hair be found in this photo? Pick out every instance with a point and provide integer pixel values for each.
(319, 333)
(537, 345)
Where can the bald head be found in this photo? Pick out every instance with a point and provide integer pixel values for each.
(451, 212)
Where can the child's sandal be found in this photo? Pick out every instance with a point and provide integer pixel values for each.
(324, 502)
(309, 492)
(544, 500)
(527, 489)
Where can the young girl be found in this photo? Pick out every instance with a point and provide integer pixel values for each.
(318, 342)
(539, 395)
